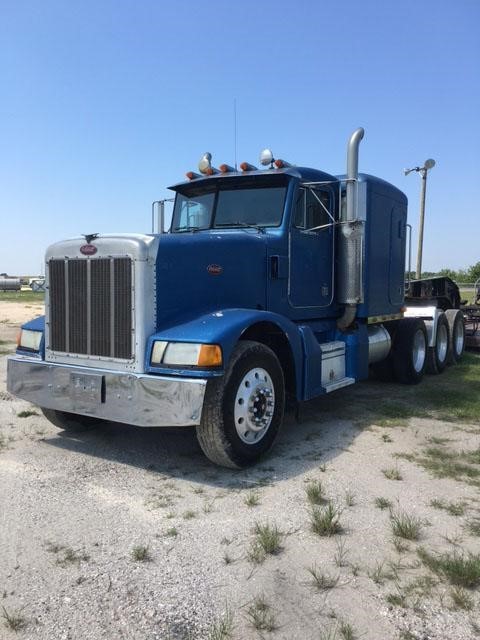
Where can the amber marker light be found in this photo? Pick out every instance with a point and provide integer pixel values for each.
(191, 175)
(225, 168)
(281, 164)
(19, 337)
(246, 166)
(210, 355)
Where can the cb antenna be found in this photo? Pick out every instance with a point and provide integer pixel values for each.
(235, 130)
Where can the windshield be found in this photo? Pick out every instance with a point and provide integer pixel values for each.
(251, 207)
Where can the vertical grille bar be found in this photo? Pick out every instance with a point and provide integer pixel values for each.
(57, 304)
(101, 306)
(123, 308)
(77, 306)
(112, 308)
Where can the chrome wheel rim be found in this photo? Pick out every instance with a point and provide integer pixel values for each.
(442, 343)
(254, 405)
(419, 351)
(459, 338)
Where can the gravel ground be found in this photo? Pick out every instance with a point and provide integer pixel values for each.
(74, 506)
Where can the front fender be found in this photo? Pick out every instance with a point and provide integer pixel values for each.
(224, 328)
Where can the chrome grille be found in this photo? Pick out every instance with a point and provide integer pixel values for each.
(90, 307)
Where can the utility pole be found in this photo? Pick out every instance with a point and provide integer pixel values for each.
(423, 171)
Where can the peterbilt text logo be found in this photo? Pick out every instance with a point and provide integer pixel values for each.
(214, 269)
(88, 249)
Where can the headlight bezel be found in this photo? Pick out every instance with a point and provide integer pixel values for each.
(30, 340)
(189, 355)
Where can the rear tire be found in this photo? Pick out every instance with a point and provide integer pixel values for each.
(457, 334)
(71, 422)
(410, 351)
(243, 410)
(439, 354)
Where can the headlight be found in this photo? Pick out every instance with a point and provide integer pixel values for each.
(186, 354)
(30, 339)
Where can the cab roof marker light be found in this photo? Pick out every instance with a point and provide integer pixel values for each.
(205, 164)
(246, 166)
(282, 164)
(226, 168)
(191, 175)
(266, 158)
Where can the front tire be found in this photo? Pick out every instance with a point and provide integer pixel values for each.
(243, 410)
(71, 422)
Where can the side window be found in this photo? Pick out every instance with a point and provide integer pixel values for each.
(311, 209)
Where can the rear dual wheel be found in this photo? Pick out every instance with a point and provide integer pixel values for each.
(438, 355)
(409, 354)
(456, 326)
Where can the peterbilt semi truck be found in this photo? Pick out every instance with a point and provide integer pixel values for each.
(283, 282)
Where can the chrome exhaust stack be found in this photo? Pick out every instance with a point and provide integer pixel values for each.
(350, 291)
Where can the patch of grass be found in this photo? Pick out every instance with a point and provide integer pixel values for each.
(349, 498)
(453, 508)
(436, 440)
(347, 632)
(400, 545)
(383, 503)
(443, 463)
(66, 555)
(407, 635)
(13, 620)
(141, 553)
(397, 599)
(172, 532)
(227, 558)
(386, 438)
(267, 541)
(459, 568)
(198, 490)
(461, 599)
(405, 526)
(252, 499)
(379, 573)
(22, 296)
(314, 491)
(341, 554)
(325, 521)
(261, 615)
(473, 526)
(189, 515)
(26, 413)
(322, 581)
(222, 628)
(392, 473)
(3, 442)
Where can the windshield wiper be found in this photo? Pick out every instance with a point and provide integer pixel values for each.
(244, 225)
(187, 228)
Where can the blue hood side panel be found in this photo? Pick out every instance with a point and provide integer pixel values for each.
(209, 270)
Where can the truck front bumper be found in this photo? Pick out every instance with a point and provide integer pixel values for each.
(133, 398)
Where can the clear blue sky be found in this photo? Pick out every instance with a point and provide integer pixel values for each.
(104, 104)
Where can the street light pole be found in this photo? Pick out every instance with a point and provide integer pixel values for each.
(423, 171)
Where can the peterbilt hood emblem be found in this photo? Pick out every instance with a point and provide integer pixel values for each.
(214, 269)
(88, 249)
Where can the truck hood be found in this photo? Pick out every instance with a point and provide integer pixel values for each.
(204, 271)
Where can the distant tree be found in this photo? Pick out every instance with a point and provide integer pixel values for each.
(474, 272)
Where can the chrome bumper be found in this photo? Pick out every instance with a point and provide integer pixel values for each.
(132, 398)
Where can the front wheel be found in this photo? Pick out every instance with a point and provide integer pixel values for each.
(243, 410)
(71, 421)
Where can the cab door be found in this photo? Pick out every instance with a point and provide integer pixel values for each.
(311, 249)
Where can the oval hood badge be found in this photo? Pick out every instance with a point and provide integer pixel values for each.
(88, 249)
(214, 269)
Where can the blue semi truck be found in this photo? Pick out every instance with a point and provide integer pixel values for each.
(273, 283)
